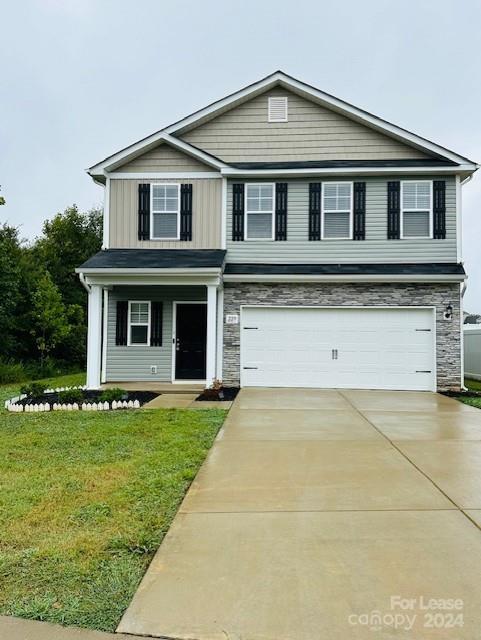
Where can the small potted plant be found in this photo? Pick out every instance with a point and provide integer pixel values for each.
(215, 391)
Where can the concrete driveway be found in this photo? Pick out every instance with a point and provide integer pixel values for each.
(326, 514)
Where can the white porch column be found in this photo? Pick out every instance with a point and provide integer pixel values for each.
(220, 333)
(211, 333)
(94, 336)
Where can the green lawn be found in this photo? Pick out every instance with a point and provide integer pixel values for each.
(472, 385)
(85, 499)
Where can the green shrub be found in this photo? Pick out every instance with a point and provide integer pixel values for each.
(69, 396)
(109, 395)
(12, 372)
(34, 389)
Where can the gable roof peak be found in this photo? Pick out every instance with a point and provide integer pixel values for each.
(170, 133)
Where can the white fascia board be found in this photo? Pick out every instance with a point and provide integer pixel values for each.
(192, 271)
(165, 175)
(150, 280)
(341, 278)
(345, 171)
(137, 148)
(328, 101)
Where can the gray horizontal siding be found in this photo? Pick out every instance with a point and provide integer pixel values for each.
(311, 133)
(375, 248)
(206, 215)
(163, 158)
(133, 363)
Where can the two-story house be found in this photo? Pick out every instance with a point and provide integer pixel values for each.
(279, 237)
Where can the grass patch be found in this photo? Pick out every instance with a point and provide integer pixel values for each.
(472, 385)
(473, 402)
(85, 500)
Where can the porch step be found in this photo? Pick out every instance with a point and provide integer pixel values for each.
(160, 387)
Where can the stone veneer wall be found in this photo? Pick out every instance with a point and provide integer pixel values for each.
(448, 336)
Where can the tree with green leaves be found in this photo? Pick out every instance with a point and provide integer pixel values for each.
(49, 317)
(10, 288)
(66, 241)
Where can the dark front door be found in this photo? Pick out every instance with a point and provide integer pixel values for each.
(190, 341)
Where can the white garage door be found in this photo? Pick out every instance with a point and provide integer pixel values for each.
(338, 348)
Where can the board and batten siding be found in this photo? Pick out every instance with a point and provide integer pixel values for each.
(312, 132)
(163, 158)
(206, 215)
(375, 248)
(133, 363)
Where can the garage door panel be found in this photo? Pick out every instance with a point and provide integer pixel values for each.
(376, 348)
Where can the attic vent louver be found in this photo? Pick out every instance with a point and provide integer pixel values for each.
(277, 109)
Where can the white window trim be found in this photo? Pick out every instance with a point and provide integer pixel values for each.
(351, 210)
(164, 184)
(429, 237)
(247, 213)
(269, 100)
(138, 324)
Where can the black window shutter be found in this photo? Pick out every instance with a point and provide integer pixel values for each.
(238, 212)
(121, 323)
(156, 324)
(439, 209)
(393, 210)
(186, 212)
(144, 211)
(359, 210)
(315, 191)
(281, 211)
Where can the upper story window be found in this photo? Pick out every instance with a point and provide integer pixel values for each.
(337, 210)
(277, 109)
(165, 222)
(416, 209)
(139, 323)
(259, 207)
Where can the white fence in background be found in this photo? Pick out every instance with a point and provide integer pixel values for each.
(472, 353)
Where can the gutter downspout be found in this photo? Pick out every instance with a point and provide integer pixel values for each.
(463, 291)
(84, 282)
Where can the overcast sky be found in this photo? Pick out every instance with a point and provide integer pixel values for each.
(82, 78)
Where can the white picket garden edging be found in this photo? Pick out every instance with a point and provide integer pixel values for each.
(11, 404)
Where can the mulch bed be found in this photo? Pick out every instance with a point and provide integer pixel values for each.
(226, 393)
(462, 394)
(90, 396)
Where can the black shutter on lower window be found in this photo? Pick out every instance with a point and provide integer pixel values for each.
(439, 209)
(121, 323)
(393, 210)
(156, 324)
(238, 212)
(359, 210)
(144, 212)
(315, 194)
(281, 211)
(186, 212)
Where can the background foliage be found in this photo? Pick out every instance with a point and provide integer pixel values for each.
(43, 306)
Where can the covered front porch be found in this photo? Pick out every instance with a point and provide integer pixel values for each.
(159, 323)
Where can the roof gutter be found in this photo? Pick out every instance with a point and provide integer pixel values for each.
(347, 171)
(342, 278)
(188, 271)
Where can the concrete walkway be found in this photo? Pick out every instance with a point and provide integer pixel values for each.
(312, 511)
(17, 629)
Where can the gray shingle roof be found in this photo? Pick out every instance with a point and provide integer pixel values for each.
(421, 269)
(155, 259)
